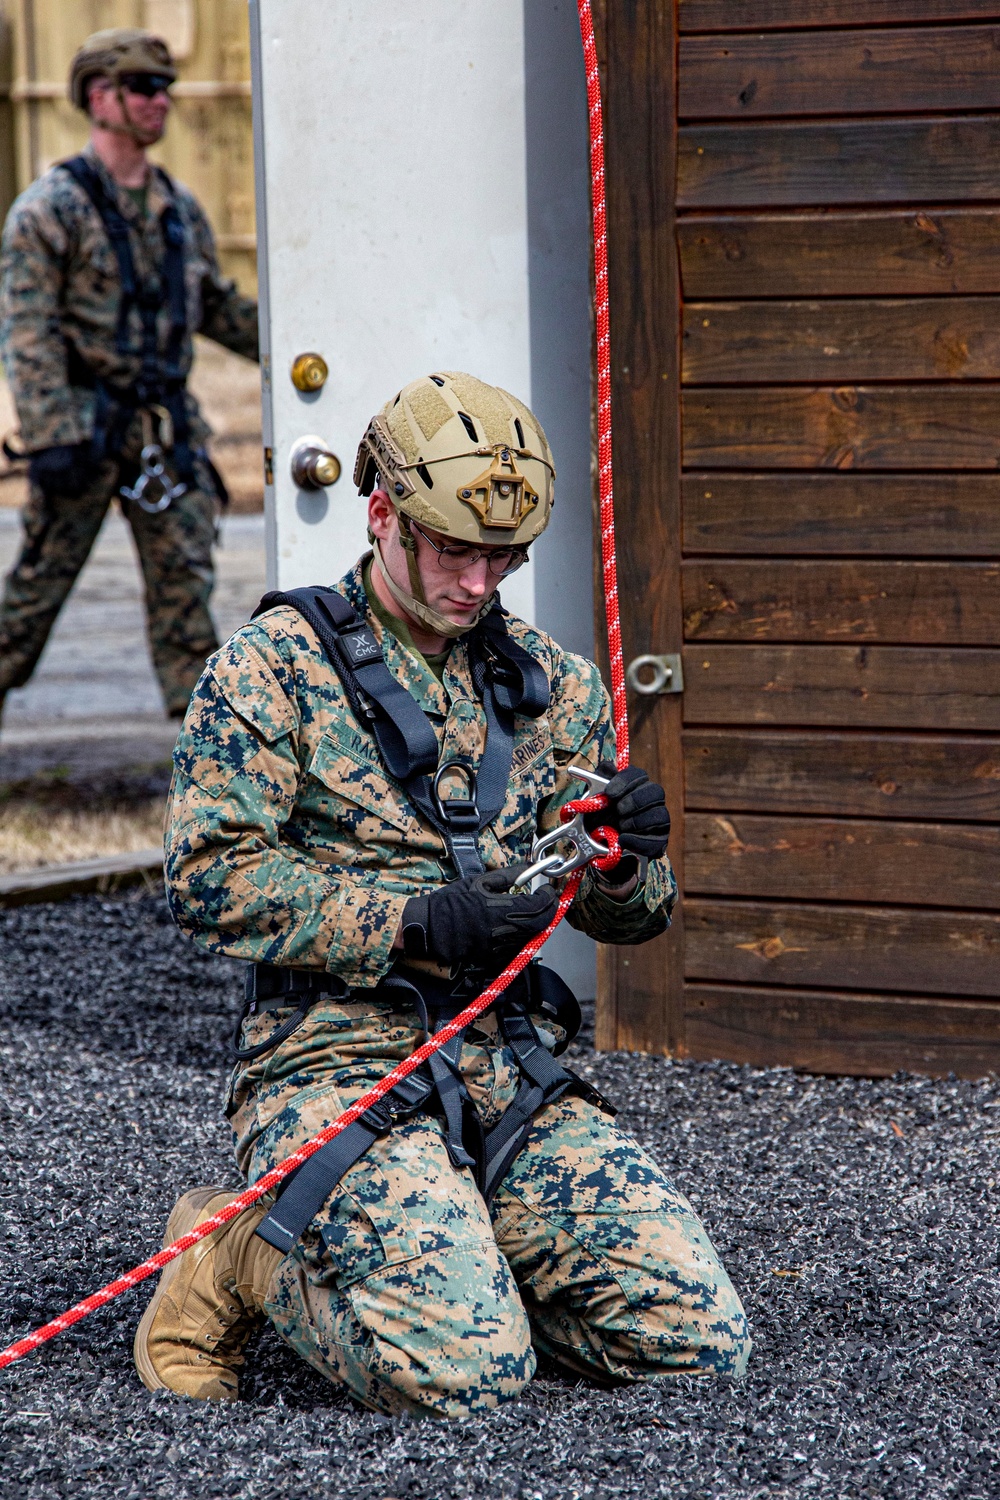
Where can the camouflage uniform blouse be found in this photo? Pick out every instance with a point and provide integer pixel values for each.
(60, 293)
(288, 842)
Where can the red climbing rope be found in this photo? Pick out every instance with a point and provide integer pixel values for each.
(602, 318)
(277, 1174)
(281, 1171)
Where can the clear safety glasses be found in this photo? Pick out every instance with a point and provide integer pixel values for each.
(454, 556)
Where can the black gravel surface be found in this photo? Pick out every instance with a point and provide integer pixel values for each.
(857, 1219)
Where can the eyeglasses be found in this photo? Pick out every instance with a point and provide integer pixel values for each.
(146, 84)
(453, 557)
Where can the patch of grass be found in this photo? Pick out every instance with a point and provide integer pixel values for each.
(52, 818)
(35, 833)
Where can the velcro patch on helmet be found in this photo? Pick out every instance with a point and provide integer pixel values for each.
(430, 410)
(487, 404)
(401, 432)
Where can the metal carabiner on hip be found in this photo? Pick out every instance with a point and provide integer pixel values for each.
(153, 491)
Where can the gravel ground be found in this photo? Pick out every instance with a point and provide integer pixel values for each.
(856, 1217)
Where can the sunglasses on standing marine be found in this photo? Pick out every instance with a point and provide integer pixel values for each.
(146, 84)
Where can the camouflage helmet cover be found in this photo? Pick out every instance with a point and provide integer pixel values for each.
(463, 458)
(109, 54)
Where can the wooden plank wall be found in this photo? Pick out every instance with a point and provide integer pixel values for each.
(838, 235)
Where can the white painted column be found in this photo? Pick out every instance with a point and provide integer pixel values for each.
(422, 202)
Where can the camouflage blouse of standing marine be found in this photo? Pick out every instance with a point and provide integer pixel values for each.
(60, 296)
(289, 844)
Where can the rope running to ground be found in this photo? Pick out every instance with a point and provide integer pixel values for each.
(277, 1174)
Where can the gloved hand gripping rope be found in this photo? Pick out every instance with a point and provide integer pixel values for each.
(586, 849)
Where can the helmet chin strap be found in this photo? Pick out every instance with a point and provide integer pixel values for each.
(419, 609)
(130, 128)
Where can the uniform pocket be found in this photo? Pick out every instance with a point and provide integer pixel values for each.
(367, 1228)
(362, 798)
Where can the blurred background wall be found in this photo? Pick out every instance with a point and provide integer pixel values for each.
(208, 143)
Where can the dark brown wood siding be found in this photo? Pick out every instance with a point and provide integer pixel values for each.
(840, 270)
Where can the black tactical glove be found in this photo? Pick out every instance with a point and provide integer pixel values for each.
(64, 470)
(637, 809)
(476, 918)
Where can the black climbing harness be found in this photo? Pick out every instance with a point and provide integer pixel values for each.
(161, 384)
(506, 677)
(509, 682)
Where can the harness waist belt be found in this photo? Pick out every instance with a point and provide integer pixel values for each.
(266, 983)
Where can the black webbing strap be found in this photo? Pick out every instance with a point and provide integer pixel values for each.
(117, 230)
(406, 742)
(269, 985)
(309, 1187)
(439, 1084)
(160, 381)
(313, 1183)
(542, 1081)
(506, 677)
(462, 1127)
(509, 681)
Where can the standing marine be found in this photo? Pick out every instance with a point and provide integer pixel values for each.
(359, 781)
(107, 269)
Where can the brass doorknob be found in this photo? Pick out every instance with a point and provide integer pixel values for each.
(314, 467)
(309, 373)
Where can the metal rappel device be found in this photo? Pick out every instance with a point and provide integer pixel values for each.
(570, 846)
(153, 490)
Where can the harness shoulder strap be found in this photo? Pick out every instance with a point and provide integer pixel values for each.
(160, 381)
(117, 230)
(506, 677)
(174, 284)
(406, 741)
(520, 683)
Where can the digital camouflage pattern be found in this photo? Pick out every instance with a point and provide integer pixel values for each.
(175, 551)
(287, 843)
(59, 299)
(411, 1293)
(60, 292)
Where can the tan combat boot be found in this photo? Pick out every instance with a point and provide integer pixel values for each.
(207, 1302)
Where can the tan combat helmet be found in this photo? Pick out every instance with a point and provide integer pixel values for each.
(462, 458)
(109, 54)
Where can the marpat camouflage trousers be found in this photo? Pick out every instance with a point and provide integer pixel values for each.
(175, 551)
(418, 1298)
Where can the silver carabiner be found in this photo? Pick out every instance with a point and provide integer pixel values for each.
(153, 480)
(570, 846)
